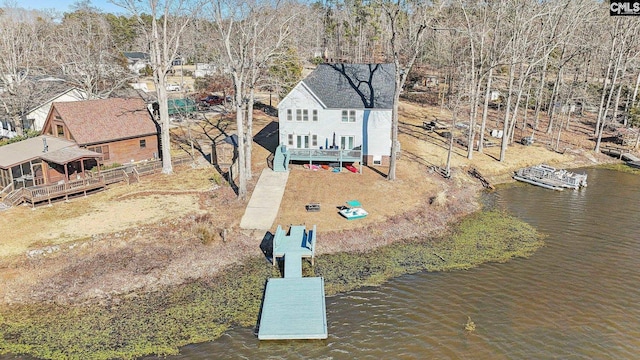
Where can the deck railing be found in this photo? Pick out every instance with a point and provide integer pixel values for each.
(92, 181)
(48, 192)
(14, 198)
(6, 190)
(325, 154)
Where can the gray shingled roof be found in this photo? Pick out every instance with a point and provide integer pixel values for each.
(29, 149)
(353, 86)
(69, 154)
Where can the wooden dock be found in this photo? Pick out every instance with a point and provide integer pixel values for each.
(294, 306)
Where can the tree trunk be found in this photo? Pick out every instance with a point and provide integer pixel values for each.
(606, 110)
(249, 134)
(242, 178)
(635, 92)
(619, 93)
(395, 145)
(159, 80)
(554, 94)
(505, 126)
(539, 100)
(596, 130)
(485, 109)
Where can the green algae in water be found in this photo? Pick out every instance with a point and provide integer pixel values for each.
(161, 322)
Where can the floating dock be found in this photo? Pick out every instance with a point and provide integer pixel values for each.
(294, 306)
(551, 178)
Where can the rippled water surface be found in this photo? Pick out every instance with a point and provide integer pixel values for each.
(576, 298)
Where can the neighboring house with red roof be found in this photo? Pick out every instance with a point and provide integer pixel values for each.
(122, 130)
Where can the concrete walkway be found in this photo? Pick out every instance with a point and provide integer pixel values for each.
(265, 201)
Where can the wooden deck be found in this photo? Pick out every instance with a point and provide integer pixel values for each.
(294, 306)
(34, 195)
(93, 182)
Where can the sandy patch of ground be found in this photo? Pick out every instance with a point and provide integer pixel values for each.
(116, 209)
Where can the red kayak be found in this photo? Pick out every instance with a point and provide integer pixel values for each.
(351, 168)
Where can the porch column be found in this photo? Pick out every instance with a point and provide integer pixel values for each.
(84, 178)
(66, 183)
(82, 168)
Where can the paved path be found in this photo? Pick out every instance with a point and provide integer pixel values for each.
(265, 201)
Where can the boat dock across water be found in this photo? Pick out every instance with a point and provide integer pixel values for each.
(294, 306)
(551, 178)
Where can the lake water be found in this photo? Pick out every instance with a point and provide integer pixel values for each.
(576, 298)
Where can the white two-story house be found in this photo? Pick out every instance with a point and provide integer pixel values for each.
(342, 109)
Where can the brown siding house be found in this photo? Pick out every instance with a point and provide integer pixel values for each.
(122, 130)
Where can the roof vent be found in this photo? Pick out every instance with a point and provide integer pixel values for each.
(44, 144)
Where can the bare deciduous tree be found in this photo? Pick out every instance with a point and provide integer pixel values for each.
(87, 55)
(162, 22)
(407, 23)
(252, 34)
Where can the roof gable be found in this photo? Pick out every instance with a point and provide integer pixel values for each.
(300, 92)
(71, 92)
(353, 86)
(100, 121)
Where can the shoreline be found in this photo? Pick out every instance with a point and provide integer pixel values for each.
(158, 319)
(168, 315)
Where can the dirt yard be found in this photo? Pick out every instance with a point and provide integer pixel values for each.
(167, 230)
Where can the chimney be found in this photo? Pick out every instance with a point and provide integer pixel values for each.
(44, 143)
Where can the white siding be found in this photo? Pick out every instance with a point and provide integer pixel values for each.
(379, 130)
(330, 123)
(39, 115)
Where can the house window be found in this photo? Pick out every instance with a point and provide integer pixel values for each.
(348, 116)
(28, 123)
(104, 150)
(346, 142)
(314, 115)
(60, 130)
(298, 114)
(143, 144)
(290, 139)
(289, 115)
(314, 140)
(305, 115)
